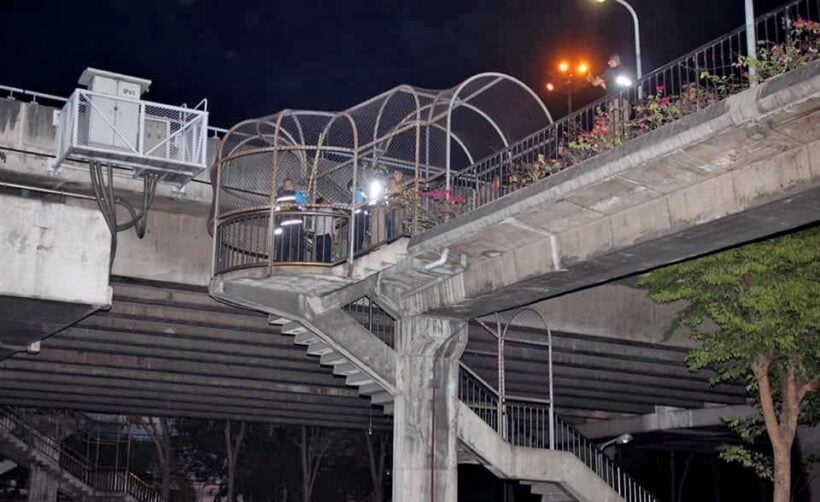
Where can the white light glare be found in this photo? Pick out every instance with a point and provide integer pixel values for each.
(623, 81)
(376, 190)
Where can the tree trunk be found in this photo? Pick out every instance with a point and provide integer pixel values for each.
(781, 429)
(303, 450)
(232, 447)
(782, 472)
(166, 482)
(686, 466)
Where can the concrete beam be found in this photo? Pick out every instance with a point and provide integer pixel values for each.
(742, 169)
(147, 409)
(666, 420)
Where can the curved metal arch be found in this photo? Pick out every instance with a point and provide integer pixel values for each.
(486, 117)
(430, 121)
(498, 76)
(389, 96)
(455, 137)
(502, 334)
(232, 131)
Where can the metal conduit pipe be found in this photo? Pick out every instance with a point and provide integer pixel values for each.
(445, 254)
(45, 190)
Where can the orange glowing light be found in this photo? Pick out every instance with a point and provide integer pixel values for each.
(583, 68)
(563, 67)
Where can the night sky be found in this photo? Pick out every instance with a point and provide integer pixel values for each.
(254, 57)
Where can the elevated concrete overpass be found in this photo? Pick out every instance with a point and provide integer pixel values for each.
(742, 169)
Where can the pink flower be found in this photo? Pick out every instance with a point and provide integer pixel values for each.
(445, 195)
(659, 89)
(665, 101)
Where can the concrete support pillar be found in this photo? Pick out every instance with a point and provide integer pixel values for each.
(42, 485)
(425, 463)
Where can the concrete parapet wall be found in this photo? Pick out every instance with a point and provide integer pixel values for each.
(742, 169)
(53, 252)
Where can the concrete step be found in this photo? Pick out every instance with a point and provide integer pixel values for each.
(6, 466)
(381, 398)
(319, 348)
(293, 328)
(357, 379)
(550, 492)
(277, 320)
(370, 389)
(332, 359)
(346, 369)
(305, 338)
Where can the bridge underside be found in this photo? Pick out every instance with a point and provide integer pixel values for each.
(167, 349)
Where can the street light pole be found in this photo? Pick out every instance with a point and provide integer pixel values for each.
(751, 42)
(638, 70)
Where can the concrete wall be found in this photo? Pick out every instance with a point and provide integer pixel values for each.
(53, 252)
(615, 310)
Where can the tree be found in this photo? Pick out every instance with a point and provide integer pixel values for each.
(756, 312)
(377, 450)
(314, 443)
(159, 430)
(233, 443)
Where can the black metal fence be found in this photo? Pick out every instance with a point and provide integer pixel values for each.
(787, 39)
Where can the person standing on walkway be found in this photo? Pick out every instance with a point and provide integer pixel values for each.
(324, 230)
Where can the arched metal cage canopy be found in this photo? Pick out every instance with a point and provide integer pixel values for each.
(419, 131)
(319, 187)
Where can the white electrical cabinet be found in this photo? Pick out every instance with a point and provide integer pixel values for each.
(110, 122)
(113, 122)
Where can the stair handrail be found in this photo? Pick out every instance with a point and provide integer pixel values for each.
(73, 463)
(43, 443)
(524, 421)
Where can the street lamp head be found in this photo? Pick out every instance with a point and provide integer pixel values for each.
(550, 86)
(583, 68)
(624, 438)
(563, 67)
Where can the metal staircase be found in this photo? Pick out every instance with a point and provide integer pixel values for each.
(520, 422)
(528, 423)
(33, 447)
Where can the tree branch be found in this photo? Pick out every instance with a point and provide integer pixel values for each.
(760, 368)
(808, 387)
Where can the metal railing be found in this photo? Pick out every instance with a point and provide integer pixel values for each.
(142, 134)
(72, 462)
(686, 85)
(313, 234)
(374, 319)
(526, 422)
(14, 92)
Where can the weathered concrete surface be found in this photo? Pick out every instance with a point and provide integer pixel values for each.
(176, 248)
(530, 464)
(425, 455)
(616, 311)
(29, 140)
(54, 267)
(742, 169)
(666, 420)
